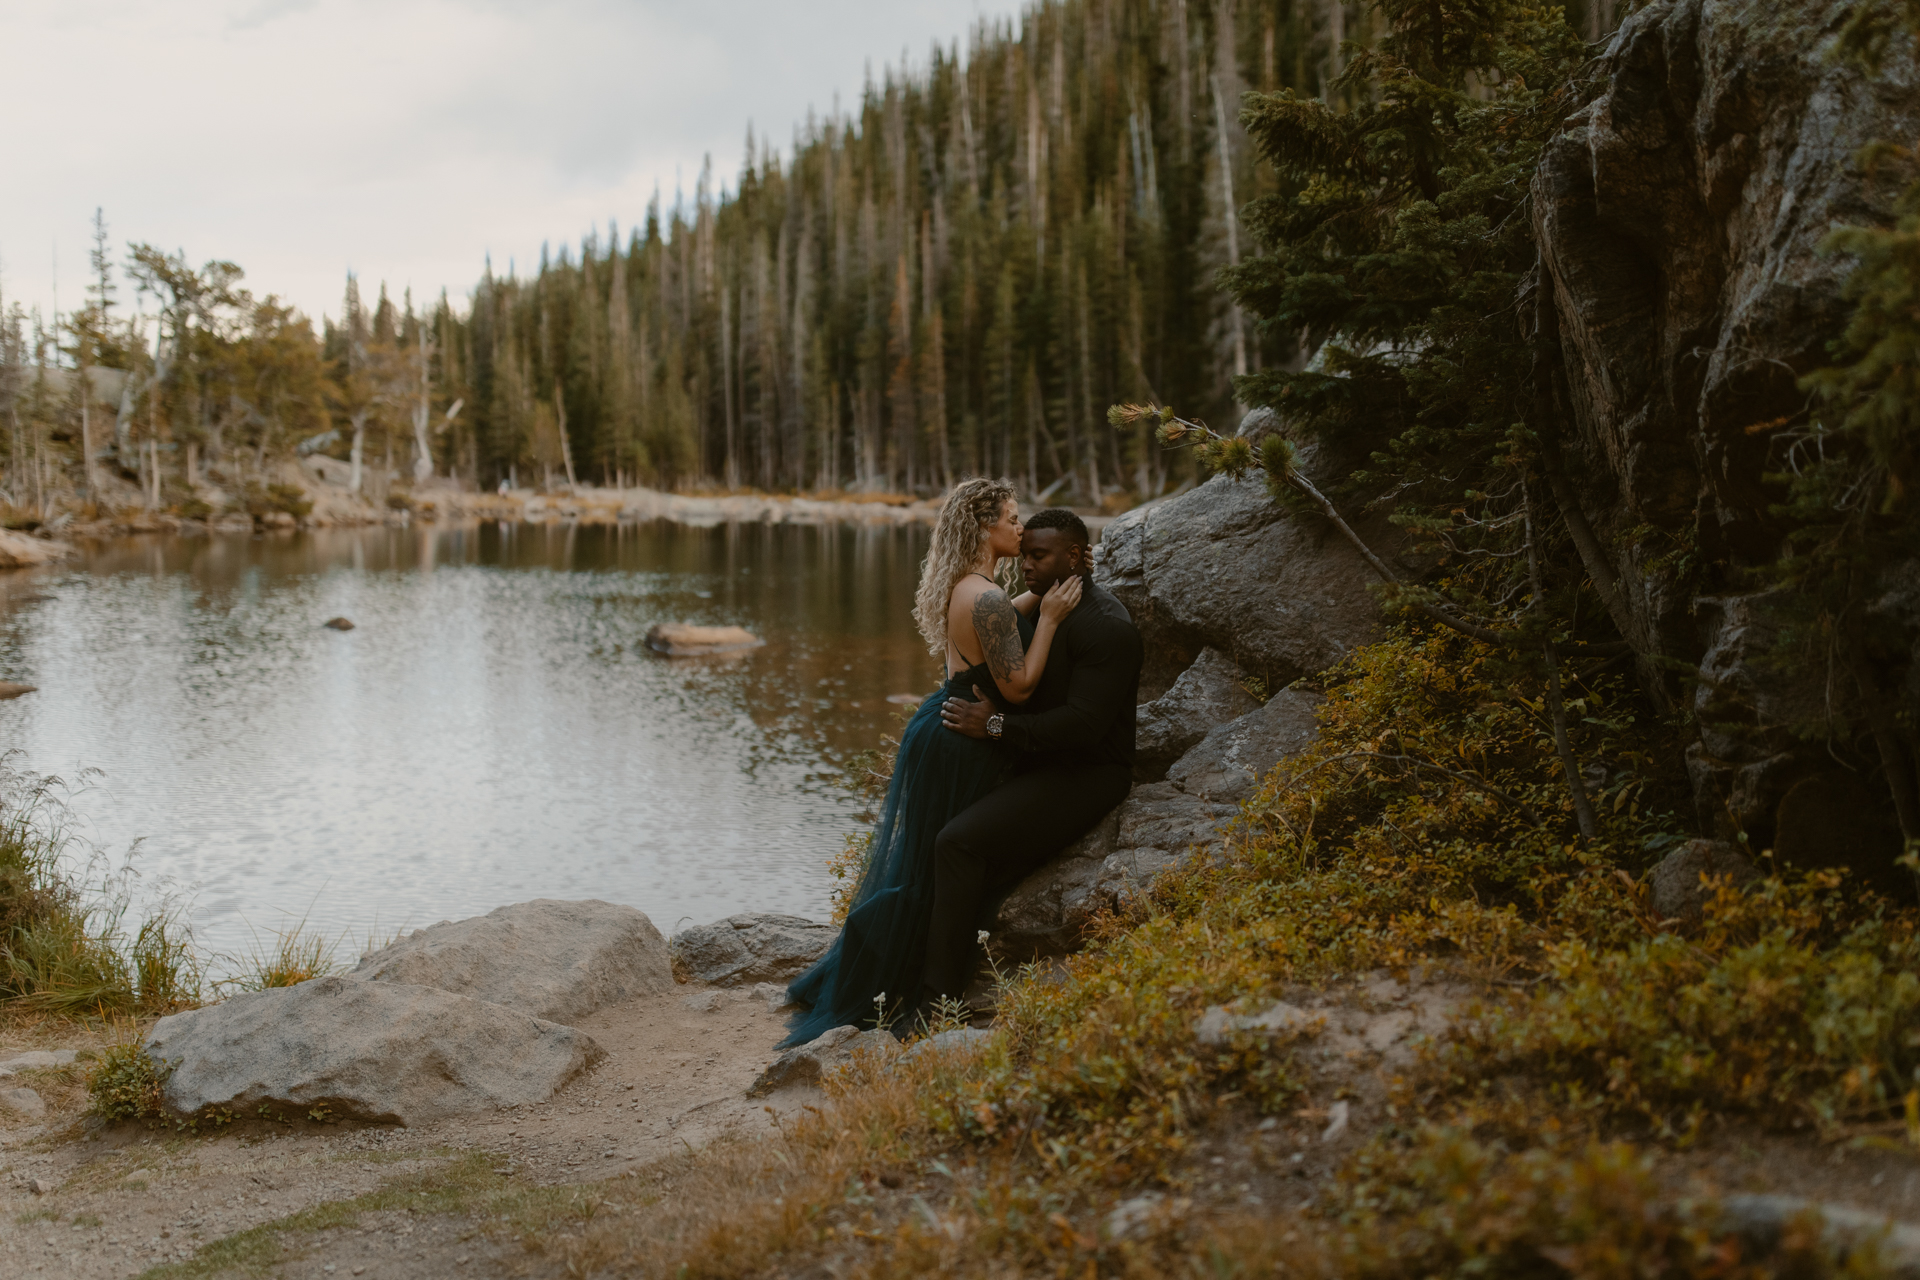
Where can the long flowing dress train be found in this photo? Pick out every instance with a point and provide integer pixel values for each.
(880, 952)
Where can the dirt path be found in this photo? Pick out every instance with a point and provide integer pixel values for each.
(335, 1200)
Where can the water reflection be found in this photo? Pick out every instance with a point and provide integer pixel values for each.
(492, 729)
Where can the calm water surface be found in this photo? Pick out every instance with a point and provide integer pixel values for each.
(492, 730)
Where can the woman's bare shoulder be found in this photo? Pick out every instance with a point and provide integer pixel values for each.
(971, 588)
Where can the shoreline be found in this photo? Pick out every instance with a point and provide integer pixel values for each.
(334, 507)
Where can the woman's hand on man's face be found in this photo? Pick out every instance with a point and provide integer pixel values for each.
(1060, 600)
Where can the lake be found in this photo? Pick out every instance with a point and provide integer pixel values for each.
(493, 729)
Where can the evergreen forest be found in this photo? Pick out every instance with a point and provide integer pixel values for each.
(957, 276)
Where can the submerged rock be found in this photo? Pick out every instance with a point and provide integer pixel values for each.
(339, 624)
(555, 960)
(752, 947)
(683, 640)
(379, 1051)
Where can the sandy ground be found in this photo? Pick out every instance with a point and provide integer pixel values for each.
(123, 1199)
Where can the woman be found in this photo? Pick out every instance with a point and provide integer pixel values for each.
(873, 967)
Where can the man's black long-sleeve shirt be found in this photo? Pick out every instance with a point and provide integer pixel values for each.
(1083, 710)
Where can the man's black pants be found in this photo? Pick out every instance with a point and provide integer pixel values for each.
(991, 844)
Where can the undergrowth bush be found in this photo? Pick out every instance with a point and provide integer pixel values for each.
(1795, 1003)
(126, 1084)
(1429, 824)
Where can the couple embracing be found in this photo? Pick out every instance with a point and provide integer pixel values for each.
(1023, 750)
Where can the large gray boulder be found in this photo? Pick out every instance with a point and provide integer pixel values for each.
(752, 947)
(1209, 693)
(1159, 825)
(1226, 566)
(555, 960)
(1674, 885)
(1229, 763)
(379, 1051)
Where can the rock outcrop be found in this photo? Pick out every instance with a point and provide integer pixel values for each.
(381, 1051)
(1227, 764)
(1207, 694)
(554, 960)
(1680, 218)
(1226, 566)
(751, 948)
(807, 1063)
(1159, 825)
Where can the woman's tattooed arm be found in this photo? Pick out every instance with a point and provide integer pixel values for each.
(999, 635)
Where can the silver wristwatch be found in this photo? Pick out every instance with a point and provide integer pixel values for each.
(996, 724)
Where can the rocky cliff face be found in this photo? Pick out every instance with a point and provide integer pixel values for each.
(1681, 295)
(1679, 218)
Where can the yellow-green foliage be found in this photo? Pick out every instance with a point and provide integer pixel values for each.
(1797, 1001)
(1430, 821)
(1450, 1205)
(295, 956)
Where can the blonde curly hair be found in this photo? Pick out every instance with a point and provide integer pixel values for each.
(972, 507)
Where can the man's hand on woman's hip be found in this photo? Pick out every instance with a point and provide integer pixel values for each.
(966, 717)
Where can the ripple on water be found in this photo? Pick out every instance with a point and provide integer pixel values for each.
(491, 730)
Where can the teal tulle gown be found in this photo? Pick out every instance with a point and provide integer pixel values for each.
(936, 774)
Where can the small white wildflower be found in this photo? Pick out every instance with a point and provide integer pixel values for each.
(981, 937)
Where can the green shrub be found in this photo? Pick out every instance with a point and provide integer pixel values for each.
(290, 498)
(1441, 1203)
(1429, 822)
(126, 1084)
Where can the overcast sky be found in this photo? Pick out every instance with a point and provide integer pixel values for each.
(402, 139)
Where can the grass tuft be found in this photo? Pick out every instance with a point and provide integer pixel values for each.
(65, 942)
(298, 954)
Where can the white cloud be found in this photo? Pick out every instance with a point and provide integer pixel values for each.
(404, 139)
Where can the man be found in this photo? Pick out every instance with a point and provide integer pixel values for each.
(1073, 749)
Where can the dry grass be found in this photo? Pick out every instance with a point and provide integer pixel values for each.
(866, 1186)
(296, 954)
